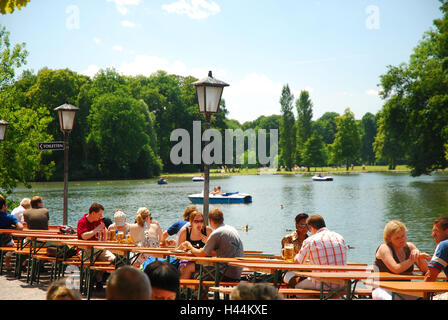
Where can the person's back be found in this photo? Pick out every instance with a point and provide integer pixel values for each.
(25, 204)
(37, 217)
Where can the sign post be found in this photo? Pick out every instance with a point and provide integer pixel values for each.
(55, 145)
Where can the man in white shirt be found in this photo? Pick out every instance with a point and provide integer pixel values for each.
(25, 204)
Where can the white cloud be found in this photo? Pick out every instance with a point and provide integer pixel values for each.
(128, 24)
(121, 5)
(96, 40)
(194, 9)
(253, 96)
(371, 92)
(91, 70)
(117, 48)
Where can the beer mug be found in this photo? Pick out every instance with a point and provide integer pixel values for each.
(120, 237)
(288, 252)
(111, 235)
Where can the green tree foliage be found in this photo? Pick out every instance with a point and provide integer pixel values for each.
(304, 126)
(10, 58)
(368, 133)
(8, 6)
(347, 143)
(420, 90)
(325, 126)
(314, 152)
(287, 143)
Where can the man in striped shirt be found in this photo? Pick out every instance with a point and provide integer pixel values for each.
(324, 247)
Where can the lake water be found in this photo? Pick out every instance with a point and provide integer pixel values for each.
(357, 205)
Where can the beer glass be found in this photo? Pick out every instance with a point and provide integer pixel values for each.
(288, 252)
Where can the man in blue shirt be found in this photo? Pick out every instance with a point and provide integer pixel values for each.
(7, 221)
(439, 261)
(175, 228)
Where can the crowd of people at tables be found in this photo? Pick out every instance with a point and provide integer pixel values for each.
(150, 278)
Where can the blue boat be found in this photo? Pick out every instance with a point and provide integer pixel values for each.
(225, 198)
(162, 181)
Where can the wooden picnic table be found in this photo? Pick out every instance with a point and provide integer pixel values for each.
(347, 280)
(420, 289)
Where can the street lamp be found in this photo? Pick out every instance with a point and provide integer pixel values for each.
(209, 91)
(3, 125)
(66, 115)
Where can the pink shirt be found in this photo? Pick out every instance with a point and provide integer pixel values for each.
(325, 247)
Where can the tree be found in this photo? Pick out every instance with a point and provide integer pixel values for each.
(8, 6)
(347, 142)
(287, 142)
(325, 126)
(368, 133)
(304, 122)
(314, 152)
(118, 132)
(10, 58)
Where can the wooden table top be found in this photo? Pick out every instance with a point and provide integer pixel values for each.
(270, 266)
(354, 275)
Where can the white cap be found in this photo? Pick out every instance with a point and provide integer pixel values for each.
(120, 218)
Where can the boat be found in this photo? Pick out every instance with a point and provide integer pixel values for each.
(230, 197)
(198, 179)
(162, 181)
(322, 178)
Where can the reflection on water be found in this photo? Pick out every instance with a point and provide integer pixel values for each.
(356, 205)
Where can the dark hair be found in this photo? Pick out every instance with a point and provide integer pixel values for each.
(257, 291)
(35, 201)
(216, 216)
(442, 222)
(188, 211)
(301, 216)
(128, 283)
(316, 221)
(163, 275)
(96, 207)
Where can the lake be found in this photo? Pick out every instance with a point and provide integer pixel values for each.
(355, 205)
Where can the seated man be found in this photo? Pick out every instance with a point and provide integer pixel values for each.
(25, 204)
(439, 261)
(88, 228)
(7, 221)
(324, 247)
(37, 217)
(224, 241)
(174, 229)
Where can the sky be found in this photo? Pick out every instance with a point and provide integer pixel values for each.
(335, 49)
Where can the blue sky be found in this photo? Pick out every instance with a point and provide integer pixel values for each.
(335, 49)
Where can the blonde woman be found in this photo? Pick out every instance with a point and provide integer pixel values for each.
(397, 255)
(145, 232)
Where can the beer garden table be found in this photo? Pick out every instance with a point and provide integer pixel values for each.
(420, 289)
(348, 280)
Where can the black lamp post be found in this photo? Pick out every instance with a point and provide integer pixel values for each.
(209, 91)
(66, 114)
(3, 125)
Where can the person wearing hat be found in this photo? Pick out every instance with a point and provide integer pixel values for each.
(119, 222)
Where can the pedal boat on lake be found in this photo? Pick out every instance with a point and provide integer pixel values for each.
(322, 178)
(226, 198)
(198, 179)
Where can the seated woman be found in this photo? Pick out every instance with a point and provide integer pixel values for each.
(196, 234)
(398, 256)
(145, 233)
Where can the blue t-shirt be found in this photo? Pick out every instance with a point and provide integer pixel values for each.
(175, 227)
(440, 258)
(7, 221)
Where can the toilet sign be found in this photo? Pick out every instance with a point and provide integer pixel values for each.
(55, 145)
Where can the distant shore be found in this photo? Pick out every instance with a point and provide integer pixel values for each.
(313, 171)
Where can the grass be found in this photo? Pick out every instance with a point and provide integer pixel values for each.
(256, 171)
